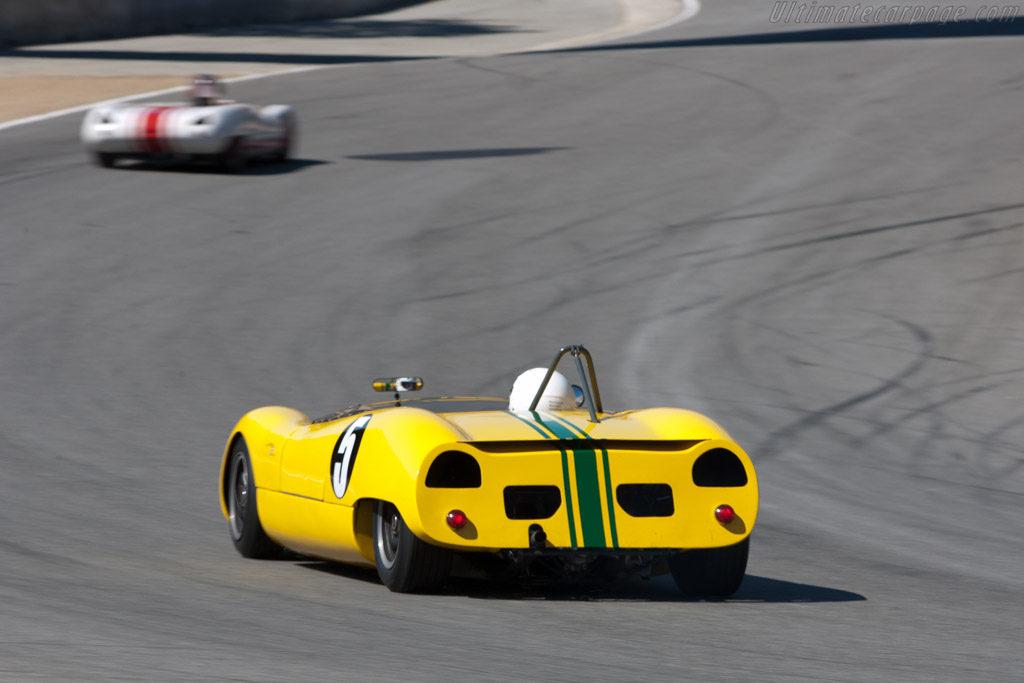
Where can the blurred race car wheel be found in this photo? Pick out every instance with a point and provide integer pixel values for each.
(105, 159)
(711, 572)
(243, 519)
(232, 159)
(405, 563)
(286, 146)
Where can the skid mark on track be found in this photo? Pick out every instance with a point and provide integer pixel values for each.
(775, 443)
(888, 228)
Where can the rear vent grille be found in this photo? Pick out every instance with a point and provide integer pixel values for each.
(645, 500)
(719, 467)
(454, 470)
(532, 502)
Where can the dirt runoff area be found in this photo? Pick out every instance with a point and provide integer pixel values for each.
(24, 96)
(43, 79)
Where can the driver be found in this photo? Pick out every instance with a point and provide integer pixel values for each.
(558, 394)
(205, 90)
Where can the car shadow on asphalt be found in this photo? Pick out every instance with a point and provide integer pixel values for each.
(259, 168)
(452, 154)
(764, 589)
(754, 589)
(345, 571)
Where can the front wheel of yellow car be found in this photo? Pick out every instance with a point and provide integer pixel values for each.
(406, 564)
(243, 518)
(711, 572)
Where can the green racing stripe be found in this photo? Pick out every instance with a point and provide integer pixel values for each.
(565, 476)
(607, 480)
(588, 488)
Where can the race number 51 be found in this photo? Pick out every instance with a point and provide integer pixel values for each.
(344, 458)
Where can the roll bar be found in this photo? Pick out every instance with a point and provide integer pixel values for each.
(593, 400)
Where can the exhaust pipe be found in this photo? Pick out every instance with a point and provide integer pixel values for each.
(537, 537)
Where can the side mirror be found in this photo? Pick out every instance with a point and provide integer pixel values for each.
(578, 393)
(397, 384)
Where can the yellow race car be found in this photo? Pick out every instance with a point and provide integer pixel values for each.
(543, 484)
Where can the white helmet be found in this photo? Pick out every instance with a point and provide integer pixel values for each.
(205, 90)
(558, 394)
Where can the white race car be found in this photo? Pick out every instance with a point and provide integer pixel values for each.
(208, 129)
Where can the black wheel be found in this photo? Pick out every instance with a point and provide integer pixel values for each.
(289, 142)
(105, 159)
(711, 572)
(232, 159)
(405, 563)
(243, 518)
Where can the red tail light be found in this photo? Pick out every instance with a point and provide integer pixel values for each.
(725, 514)
(456, 519)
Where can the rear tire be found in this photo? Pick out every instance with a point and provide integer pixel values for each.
(286, 147)
(232, 159)
(105, 159)
(243, 517)
(711, 572)
(406, 564)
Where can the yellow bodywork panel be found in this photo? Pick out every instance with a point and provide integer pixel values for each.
(589, 515)
(317, 481)
(266, 431)
(312, 528)
(653, 423)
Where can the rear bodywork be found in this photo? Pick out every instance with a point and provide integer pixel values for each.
(176, 130)
(637, 483)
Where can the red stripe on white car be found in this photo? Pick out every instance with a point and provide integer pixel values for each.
(152, 134)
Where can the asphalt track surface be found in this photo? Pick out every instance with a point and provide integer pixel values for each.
(815, 240)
